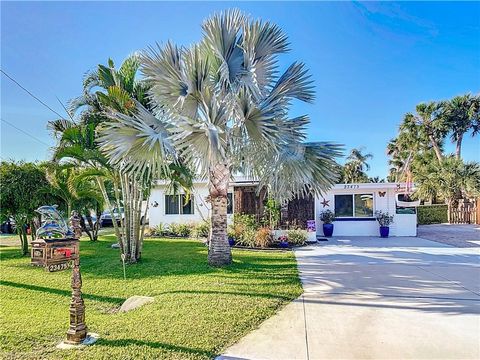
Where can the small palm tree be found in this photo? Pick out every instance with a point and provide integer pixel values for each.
(220, 107)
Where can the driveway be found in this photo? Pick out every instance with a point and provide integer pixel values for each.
(464, 235)
(365, 298)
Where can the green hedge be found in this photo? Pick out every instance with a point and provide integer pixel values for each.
(432, 214)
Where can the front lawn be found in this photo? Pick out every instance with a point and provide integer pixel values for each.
(198, 310)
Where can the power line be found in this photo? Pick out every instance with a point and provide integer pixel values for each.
(26, 133)
(29, 93)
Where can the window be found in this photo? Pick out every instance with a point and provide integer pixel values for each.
(229, 203)
(354, 205)
(178, 204)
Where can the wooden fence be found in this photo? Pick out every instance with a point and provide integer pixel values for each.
(464, 214)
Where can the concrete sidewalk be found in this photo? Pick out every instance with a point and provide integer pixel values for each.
(372, 298)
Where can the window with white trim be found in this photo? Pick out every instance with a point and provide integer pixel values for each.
(354, 205)
(178, 205)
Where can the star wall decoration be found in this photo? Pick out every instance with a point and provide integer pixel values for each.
(325, 203)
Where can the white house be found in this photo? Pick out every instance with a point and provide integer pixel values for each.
(354, 206)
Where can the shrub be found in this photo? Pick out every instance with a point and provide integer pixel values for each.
(297, 237)
(249, 221)
(247, 238)
(174, 229)
(159, 230)
(201, 229)
(184, 230)
(432, 214)
(149, 232)
(327, 216)
(384, 218)
(263, 237)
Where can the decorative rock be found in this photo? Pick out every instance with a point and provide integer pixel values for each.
(134, 302)
(116, 246)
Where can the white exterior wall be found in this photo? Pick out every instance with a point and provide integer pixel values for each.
(201, 206)
(403, 224)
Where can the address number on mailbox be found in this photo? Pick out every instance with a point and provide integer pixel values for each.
(60, 266)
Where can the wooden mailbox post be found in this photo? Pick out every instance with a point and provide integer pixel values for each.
(57, 254)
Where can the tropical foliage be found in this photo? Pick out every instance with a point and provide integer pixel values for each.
(24, 189)
(417, 154)
(220, 107)
(107, 90)
(356, 165)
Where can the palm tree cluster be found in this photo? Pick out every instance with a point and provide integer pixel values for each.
(221, 107)
(356, 165)
(105, 90)
(417, 153)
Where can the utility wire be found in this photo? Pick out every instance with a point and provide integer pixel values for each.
(29, 93)
(23, 131)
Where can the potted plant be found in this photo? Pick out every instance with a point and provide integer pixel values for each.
(384, 219)
(283, 241)
(327, 217)
(231, 237)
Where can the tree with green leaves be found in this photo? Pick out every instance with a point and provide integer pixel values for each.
(105, 90)
(354, 170)
(68, 183)
(24, 189)
(461, 115)
(220, 107)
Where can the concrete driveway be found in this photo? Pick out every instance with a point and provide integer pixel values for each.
(464, 235)
(372, 298)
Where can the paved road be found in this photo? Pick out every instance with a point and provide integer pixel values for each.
(372, 298)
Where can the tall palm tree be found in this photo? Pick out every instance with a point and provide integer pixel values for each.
(356, 165)
(430, 124)
(220, 106)
(462, 114)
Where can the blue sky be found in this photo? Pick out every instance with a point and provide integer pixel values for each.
(371, 62)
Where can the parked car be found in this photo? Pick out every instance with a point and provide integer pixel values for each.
(106, 217)
(8, 227)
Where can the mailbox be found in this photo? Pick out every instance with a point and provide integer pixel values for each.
(54, 254)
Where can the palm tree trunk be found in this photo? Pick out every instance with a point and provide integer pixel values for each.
(101, 185)
(219, 252)
(458, 149)
(436, 148)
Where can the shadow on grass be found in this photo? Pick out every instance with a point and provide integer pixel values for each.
(156, 345)
(234, 293)
(60, 292)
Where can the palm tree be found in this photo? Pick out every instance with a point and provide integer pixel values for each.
(430, 124)
(77, 194)
(462, 114)
(220, 107)
(105, 90)
(356, 165)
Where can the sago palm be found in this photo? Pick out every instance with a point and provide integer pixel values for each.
(221, 108)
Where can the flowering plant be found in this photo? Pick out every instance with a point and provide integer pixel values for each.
(384, 218)
(283, 238)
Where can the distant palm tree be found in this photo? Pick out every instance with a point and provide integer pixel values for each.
(221, 107)
(462, 114)
(356, 165)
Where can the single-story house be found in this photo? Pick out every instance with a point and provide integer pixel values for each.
(354, 206)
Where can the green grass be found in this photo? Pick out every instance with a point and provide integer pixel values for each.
(198, 310)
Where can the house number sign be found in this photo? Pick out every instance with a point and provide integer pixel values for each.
(354, 186)
(60, 266)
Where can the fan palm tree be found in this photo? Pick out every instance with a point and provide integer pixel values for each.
(462, 114)
(220, 106)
